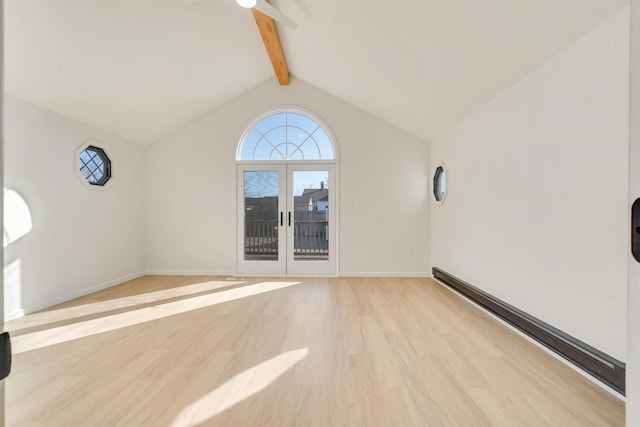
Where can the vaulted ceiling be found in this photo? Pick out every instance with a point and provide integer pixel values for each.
(141, 68)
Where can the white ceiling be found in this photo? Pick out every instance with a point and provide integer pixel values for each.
(141, 68)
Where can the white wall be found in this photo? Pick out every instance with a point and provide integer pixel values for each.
(536, 212)
(2, 315)
(383, 174)
(81, 239)
(633, 367)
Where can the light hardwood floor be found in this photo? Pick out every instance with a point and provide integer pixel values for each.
(203, 351)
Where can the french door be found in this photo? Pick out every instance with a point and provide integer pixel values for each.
(286, 219)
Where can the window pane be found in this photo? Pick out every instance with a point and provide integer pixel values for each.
(301, 121)
(311, 220)
(94, 165)
(270, 122)
(249, 144)
(323, 141)
(439, 184)
(297, 135)
(286, 136)
(261, 215)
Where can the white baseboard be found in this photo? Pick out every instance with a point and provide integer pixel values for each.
(386, 274)
(77, 294)
(14, 314)
(17, 313)
(187, 273)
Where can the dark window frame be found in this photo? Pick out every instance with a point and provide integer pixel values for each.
(105, 167)
(438, 193)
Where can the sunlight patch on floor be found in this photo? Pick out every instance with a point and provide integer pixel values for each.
(238, 388)
(68, 313)
(61, 334)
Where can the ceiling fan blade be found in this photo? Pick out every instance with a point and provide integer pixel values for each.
(200, 4)
(272, 12)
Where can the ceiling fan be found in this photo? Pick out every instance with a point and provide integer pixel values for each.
(262, 6)
(265, 16)
(267, 9)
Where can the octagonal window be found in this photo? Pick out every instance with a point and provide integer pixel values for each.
(95, 166)
(439, 184)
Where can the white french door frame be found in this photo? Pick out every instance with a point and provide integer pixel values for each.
(261, 267)
(286, 264)
(633, 310)
(302, 267)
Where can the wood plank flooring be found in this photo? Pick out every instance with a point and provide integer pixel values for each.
(204, 351)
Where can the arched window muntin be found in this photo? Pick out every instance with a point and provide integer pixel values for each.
(287, 149)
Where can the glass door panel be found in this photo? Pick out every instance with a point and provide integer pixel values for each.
(311, 215)
(311, 234)
(261, 231)
(261, 215)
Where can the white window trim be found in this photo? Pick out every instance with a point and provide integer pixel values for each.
(76, 164)
(295, 110)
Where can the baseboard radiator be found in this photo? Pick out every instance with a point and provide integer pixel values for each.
(602, 366)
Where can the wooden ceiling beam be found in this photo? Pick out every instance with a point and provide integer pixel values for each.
(271, 39)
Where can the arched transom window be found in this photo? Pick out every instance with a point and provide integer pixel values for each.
(286, 136)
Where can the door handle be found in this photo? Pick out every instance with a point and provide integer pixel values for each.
(289, 218)
(281, 218)
(635, 230)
